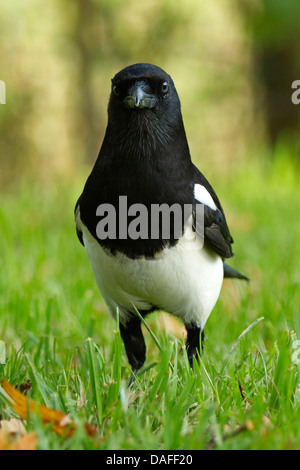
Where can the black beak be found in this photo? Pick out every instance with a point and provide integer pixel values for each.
(138, 98)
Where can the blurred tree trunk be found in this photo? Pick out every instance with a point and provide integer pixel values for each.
(277, 70)
(89, 121)
(274, 30)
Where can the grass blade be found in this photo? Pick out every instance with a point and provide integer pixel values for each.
(238, 340)
(94, 380)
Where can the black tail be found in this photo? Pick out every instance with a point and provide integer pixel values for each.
(232, 273)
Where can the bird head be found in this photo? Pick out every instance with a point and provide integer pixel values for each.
(144, 115)
(143, 90)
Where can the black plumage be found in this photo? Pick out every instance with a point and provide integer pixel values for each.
(145, 157)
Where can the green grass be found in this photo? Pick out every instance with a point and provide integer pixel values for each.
(54, 329)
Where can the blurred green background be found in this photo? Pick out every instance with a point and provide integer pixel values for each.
(233, 63)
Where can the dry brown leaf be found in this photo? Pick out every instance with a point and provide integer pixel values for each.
(25, 386)
(21, 405)
(13, 426)
(61, 423)
(3, 440)
(27, 442)
(249, 425)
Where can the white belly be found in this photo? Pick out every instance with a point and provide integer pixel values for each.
(185, 280)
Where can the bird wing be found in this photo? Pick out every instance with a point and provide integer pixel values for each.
(216, 232)
(78, 230)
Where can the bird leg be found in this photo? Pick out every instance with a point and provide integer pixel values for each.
(134, 343)
(194, 346)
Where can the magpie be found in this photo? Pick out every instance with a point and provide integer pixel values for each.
(145, 157)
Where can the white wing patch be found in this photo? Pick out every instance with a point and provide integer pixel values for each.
(203, 196)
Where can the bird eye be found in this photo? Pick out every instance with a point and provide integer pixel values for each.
(165, 87)
(115, 90)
